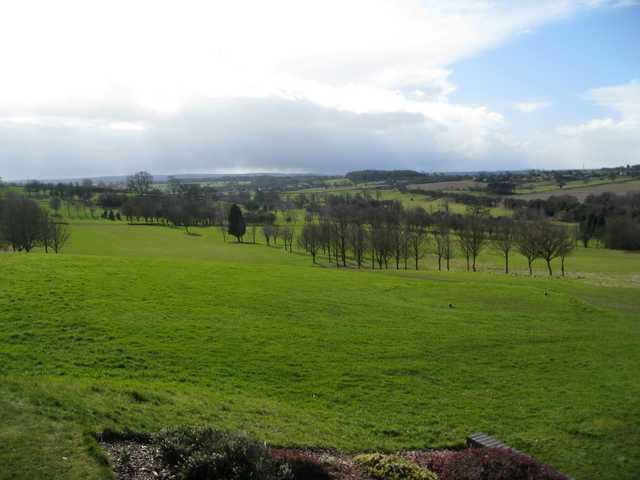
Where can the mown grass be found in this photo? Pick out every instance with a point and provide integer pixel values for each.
(102, 237)
(143, 327)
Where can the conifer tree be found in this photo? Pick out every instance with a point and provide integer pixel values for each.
(237, 226)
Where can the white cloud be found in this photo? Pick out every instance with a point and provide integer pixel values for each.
(612, 3)
(162, 53)
(624, 99)
(606, 141)
(532, 105)
(131, 126)
(124, 67)
(590, 126)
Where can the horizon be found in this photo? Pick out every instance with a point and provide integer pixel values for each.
(198, 175)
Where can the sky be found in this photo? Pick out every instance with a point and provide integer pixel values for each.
(92, 88)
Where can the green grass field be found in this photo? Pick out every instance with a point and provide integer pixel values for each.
(141, 327)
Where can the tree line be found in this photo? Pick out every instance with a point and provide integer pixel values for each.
(384, 235)
(610, 218)
(24, 225)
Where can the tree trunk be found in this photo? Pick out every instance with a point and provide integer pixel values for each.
(530, 269)
(474, 263)
(562, 264)
(506, 262)
(549, 267)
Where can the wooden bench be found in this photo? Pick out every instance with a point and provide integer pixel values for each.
(482, 440)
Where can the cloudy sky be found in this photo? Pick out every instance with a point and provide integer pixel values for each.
(93, 88)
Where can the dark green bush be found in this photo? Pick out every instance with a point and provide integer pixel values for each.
(204, 453)
(622, 233)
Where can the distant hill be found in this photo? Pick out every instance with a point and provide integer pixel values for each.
(360, 176)
(192, 177)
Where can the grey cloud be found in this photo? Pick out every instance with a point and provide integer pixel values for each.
(230, 134)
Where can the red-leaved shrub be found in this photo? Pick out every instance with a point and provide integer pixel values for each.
(487, 464)
(303, 465)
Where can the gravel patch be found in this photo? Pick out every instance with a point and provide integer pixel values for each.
(136, 461)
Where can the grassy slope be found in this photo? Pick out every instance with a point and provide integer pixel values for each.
(311, 356)
(106, 238)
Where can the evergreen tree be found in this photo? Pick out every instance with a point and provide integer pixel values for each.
(237, 227)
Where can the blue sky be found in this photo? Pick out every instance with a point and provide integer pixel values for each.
(92, 88)
(557, 62)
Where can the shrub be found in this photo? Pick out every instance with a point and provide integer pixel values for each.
(489, 464)
(203, 453)
(392, 467)
(303, 465)
(622, 233)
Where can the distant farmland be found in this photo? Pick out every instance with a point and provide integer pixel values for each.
(583, 192)
(450, 185)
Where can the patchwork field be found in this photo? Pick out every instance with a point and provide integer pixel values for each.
(139, 327)
(581, 191)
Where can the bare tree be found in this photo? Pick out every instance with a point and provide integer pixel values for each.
(503, 239)
(465, 241)
(473, 236)
(526, 241)
(287, 238)
(45, 231)
(59, 235)
(551, 240)
(443, 247)
(275, 234)
(358, 240)
(55, 203)
(223, 227)
(417, 222)
(267, 231)
(309, 239)
(140, 183)
(341, 218)
(568, 245)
